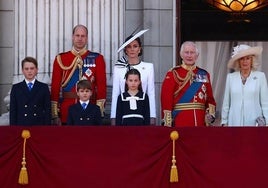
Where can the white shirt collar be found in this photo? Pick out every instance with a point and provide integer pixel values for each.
(84, 102)
(27, 81)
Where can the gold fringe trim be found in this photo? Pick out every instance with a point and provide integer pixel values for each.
(174, 135)
(23, 177)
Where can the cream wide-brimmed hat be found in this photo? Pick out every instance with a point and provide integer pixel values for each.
(243, 50)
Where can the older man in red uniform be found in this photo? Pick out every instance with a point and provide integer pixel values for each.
(72, 66)
(186, 96)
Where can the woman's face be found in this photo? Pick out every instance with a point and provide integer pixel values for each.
(245, 63)
(133, 49)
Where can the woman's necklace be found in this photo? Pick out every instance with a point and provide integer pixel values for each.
(244, 78)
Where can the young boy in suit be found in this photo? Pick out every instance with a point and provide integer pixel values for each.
(83, 112)
(30, 99)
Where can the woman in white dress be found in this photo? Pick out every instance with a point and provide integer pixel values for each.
(133, 52)
(245, 100)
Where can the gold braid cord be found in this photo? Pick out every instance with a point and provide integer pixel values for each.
(185, 80)
(23, 177)
(76, 63)
(174, 135)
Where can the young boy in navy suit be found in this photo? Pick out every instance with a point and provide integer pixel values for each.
(83, 112)
(30, 99)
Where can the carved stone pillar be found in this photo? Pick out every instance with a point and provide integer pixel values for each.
(44, 29)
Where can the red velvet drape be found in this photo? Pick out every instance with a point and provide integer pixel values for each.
(135, 157)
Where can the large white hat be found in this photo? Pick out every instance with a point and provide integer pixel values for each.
(132, 39)
(243, 50)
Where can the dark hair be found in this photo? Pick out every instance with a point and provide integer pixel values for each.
(139, 42)
(29, 59)
(77, 26)
(83, 84)
(133, 72)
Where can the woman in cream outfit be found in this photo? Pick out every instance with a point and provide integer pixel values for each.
(133, 50)
(245, 100)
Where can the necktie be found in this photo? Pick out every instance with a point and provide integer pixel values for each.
(84, 105)
(30, 85)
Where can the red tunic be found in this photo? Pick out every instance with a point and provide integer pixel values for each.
(191, 112)
(65, 75)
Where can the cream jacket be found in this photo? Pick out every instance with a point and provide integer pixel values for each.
(243, 104)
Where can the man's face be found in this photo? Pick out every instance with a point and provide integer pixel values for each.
(80, 38)
(29, 70)
(189, 55)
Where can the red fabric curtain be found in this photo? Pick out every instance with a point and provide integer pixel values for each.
(131, 157)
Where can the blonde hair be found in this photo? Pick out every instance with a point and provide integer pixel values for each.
(254, 63)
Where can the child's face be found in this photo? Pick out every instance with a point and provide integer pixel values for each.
(84, 94)
(133, 82)
(29, 70)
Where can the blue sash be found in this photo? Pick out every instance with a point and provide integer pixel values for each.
(88, 61)
(190, 92)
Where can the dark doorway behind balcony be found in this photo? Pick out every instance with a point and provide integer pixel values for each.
(201, 22)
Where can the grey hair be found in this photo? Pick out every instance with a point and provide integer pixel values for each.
(190, 43)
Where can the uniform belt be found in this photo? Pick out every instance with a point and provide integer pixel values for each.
(69, 95)
(132, 115)
(189, 106)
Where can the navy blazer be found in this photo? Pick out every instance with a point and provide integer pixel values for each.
(30, 107)
(79, 116)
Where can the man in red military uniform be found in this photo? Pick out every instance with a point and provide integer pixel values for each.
(72, 66)
(186, 94)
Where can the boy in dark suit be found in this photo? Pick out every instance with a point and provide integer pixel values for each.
(30, 99)
(83, 112)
